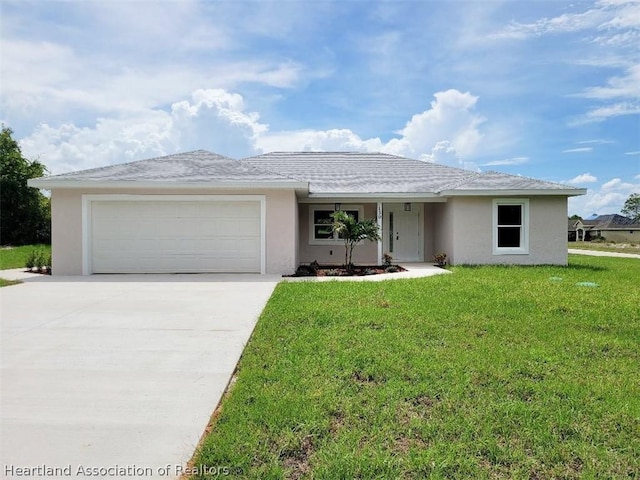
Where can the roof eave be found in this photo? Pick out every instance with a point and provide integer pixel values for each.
(50, 184)
(373, 195)
(515, 192)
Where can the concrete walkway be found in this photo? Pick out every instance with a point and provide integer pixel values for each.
(596, 253)
(116, 376)
(414, 270)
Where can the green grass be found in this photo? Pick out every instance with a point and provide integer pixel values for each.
(492, 372)
(607, 247)
(6, 283)
(15, 257)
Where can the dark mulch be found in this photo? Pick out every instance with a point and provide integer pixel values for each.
(316, 270)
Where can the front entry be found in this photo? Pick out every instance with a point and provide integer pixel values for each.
(402, 231)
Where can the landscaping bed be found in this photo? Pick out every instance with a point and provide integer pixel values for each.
(316, 270)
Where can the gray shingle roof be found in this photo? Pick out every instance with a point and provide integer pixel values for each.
(198, 166)
(503, 181)
(326, 173)
(352, 172)
(611, 221)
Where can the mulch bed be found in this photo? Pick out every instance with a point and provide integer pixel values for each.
(315, 270)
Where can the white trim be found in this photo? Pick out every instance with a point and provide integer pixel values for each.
(50, 183)
(89, 198)
(523, 249)
(569, 192)
(396, 196)
(379, 221)
(334, 240)
(374, 198)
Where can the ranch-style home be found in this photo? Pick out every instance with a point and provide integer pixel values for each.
(203, 212)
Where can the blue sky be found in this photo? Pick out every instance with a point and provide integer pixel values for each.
(546, 89)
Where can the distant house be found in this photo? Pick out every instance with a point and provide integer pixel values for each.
(614, 228)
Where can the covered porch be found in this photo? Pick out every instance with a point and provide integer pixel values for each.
(410, 230)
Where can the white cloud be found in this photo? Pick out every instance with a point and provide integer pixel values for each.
(603, 113)
(611, 183)
(215, 119)
(597, 141)
(508, 161)
(637, 152)
(578, 150)
(211, 119)
(447, 132)
(624, 86)
(583, 178)
(609, 198)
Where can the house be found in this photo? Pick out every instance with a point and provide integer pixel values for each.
(202, 212)
(613, 228)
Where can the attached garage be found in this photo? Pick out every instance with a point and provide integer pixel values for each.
(173, 233)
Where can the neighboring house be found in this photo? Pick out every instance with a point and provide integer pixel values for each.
(614, 228)
(202, 212)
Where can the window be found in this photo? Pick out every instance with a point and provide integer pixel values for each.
(510, 226)
(320, 221)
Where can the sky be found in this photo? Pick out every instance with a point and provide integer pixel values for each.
(543, 89)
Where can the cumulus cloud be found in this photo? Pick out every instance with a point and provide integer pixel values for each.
(608, 198)
(447, 132)
(217, 120)
(583, 178)
(212, 119)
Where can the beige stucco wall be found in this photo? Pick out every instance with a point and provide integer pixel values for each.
(621, 236)
(66, 233)
(442, 224)
(469, 240)
(364, 254)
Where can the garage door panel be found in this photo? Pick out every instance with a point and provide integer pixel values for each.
(175, 236)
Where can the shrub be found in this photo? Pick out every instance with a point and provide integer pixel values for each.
(386, 260)
(440, 259)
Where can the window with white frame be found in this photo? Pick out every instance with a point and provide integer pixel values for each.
(320, 222)
(510, 226)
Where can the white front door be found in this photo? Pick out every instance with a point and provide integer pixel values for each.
(402, 235)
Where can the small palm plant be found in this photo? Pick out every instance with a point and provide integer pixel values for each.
(352, 231)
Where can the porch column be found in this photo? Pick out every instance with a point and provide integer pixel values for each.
(379, 219)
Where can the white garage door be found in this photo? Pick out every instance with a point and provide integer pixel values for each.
(167, 236)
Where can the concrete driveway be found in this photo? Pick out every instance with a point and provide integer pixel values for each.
(117, 375)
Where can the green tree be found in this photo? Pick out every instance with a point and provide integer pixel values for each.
(352, 232)
(25, 213)
(631, 207)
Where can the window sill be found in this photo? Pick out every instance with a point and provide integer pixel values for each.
(510, 251)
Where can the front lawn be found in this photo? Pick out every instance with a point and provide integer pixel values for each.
(493, 372)
(16, 257)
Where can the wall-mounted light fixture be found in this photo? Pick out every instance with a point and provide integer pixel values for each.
(337, 207)
(407, 207)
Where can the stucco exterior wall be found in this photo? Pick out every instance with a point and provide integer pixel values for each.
(472, 226)
(442, 225)
(66, 218)
(365, 254)
(429, 232)
(621, 236)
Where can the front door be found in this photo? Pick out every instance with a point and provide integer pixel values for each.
(402, 236)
